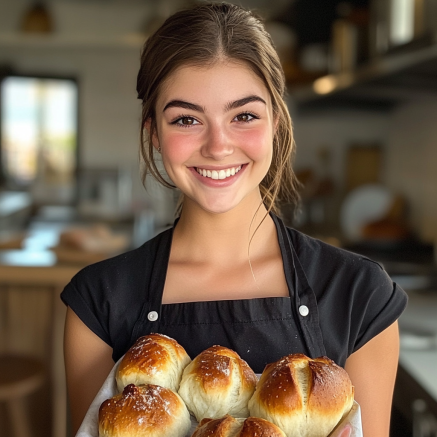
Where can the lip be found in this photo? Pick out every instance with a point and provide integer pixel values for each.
(219, 167)
(217, 183)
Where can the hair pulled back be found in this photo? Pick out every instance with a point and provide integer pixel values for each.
(202, 36)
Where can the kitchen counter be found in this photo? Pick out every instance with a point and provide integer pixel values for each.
(418, 328)
(414, 409)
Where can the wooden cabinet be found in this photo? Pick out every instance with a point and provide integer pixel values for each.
(32, 323)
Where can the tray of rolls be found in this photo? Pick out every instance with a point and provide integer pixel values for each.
(155, 389)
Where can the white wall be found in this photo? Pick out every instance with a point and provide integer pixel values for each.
(412, 163)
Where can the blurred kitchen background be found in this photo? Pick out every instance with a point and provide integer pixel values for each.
(362, 92)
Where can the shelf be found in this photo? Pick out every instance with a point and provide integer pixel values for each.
(71, 41)
(380, 85)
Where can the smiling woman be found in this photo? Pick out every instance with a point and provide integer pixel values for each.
(215, 132)
(235, 38)
(229, 272)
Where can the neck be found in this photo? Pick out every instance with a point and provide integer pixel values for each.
(222, 238)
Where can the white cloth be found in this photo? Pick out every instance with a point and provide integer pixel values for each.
(90, 424)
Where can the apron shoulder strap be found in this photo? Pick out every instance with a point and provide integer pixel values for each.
(151, 307)
(304, 298)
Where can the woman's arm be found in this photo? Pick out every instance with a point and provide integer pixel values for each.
(88, 361)
(372, 370)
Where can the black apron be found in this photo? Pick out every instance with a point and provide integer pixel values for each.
(259, 330)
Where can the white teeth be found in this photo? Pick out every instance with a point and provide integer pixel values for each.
(219, 174)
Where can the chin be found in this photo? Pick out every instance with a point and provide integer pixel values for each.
(217, 206)
(218, 209)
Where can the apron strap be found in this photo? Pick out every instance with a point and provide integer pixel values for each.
(303, 296)
(151, 310)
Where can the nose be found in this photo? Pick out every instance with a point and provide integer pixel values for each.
(217, 143)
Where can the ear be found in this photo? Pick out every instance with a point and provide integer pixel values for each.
(154, 138)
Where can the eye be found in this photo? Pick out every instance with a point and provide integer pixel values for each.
(185, 121)
(246, 117)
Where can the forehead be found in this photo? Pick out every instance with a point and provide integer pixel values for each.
(220, 82)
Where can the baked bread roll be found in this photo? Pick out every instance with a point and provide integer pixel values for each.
(217, 382)
(153, 359)
(229, 427)
(144, 411)
(304, 397)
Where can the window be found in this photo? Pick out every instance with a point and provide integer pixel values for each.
(38, 131)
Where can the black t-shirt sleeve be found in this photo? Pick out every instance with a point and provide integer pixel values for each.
(86, 305)
(381, 304)
(109, 296)
(355, 296)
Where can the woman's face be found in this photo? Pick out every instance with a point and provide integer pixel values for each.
(215, 128)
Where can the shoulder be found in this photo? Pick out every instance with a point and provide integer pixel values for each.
(128, 266)
(322, 261)
(118, 281)
(108, 295)
(356, 298)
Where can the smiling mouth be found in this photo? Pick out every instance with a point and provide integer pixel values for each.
(218, 174)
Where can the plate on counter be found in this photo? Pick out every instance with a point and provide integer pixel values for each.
(363, 205)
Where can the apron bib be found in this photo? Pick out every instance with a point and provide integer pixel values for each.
(259, 330)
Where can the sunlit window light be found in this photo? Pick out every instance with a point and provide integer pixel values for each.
(39, 129)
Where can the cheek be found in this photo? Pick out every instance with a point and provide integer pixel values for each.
(178, 147)
(257, 143)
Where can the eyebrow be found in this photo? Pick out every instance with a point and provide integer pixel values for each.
(182, 104)
(231, 105)
(244, 101)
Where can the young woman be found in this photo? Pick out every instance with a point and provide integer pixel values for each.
(229, 272)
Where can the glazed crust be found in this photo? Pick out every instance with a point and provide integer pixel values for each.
(217, 382)
(304, 397)
(146, 411)
(224, 427)
(153, 359)
(228, 426)
(255, 426)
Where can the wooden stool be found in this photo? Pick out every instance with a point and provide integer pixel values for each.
(20, 376)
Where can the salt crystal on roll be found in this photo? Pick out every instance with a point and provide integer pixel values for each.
(153, 359)
(217, 382)
(144, 411)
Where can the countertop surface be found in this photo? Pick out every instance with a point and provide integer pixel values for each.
(418, 328)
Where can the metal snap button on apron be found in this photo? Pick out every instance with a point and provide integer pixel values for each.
(152, 316)
(303, 310)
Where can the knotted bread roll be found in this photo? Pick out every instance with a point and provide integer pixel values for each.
(229, 427)
(217, 382)
(304, 397)
(153, 359)
(144, 411)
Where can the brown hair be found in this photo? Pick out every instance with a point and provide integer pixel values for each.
(202, 36)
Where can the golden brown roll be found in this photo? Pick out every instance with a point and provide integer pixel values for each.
(228, 426)
(153, 359)
(217, 382)
(304, 397)
(144, 411)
